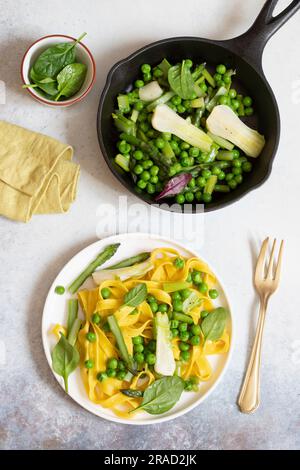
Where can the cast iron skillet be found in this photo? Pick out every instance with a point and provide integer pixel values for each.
(243, 53)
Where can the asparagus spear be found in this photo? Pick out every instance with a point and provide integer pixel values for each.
(131, 261)
(105, 255)
(72, 313)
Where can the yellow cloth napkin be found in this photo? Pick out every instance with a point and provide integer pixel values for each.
(36, 173)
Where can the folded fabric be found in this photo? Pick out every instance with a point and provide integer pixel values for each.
(37, 175)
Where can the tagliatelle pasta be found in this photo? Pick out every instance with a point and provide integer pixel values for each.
(139, 322)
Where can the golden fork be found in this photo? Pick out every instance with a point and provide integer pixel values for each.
(266, 280)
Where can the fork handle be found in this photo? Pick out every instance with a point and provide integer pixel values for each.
(249, 398)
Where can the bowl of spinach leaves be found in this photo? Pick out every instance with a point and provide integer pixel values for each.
(58, 70)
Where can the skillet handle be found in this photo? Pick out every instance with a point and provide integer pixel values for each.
(250, 45)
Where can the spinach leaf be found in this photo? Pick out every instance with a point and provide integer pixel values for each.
(55, 58)
(65, 359)
(47, 84)
(70, 80)
(214, 324)
(136, 296)
(181, 81)
(162, 395)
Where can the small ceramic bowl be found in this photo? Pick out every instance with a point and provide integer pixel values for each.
(83, 55)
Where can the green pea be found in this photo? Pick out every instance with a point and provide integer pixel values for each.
(89, 363)
(238, 179)
(153, 306)
(203, 287)
(176, 296)
(163, 308)
(216, 170)
(138, 348)
(183, 327)
(137, 340)
(180, 199)
(206, 173)
(154, 179)
(217, 77)
(138, 169)
(185, 293)
(232, 184)
(181, 109)
(141, 184)
(121, 374)
(249, 111)
(144, 126)
(223, 100)
(145, 175)
(139, 105)
(177, 305)
(139, 357)
(201, 181)
(147, 164)
(121, 365)
(185, 161)
(195, 330)
(189, 197)
(221, 175)
(160, 143)
(105, 292)
(232, 93)
(189, 63)
(188, 387)
(185, 355)
(229, 177)
(157, 73)
(204, 314)
(197, 278)
(101, 376)
(154, 170)
(60, 290)
(91, 337)
(139, 83)
(194, 152)
(178, 263)
(184, 335)
(220, 83)
(247, 166)
(195, 340)
(146, 68)
(226, 79)
(221, 69)
(174, 332)
(124, 147)
(138, 155)
(207, 197)
(174, 145)
(150, 188)
(247, 101)
(184, 346)
(151, 298)
(237, 163)
(111, 373)
(184, 154)
(184, 146)
(96, 318)
(112, 363)
(150, 359)
(235, 104)
(176, 100)
(236, 171)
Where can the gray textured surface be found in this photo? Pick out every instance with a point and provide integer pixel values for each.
(35, 413)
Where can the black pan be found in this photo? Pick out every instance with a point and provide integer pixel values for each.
(243, 53)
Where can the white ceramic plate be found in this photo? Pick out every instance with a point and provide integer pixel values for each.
(55, 312)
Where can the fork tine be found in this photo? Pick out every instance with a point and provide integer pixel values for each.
(278, 267)
(271, 262)
(259, 270)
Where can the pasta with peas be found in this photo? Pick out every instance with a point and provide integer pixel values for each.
(147, 338)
